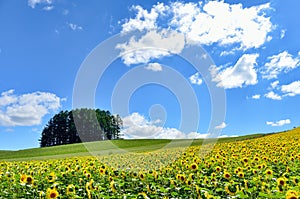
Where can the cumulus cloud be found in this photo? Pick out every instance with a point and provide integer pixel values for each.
(221, 126)
(195, 79)
(154, 44)
(282, 34)
(137, 126)
(26, 109)
(274, 84)
(47, 3)
(144, 19)
(242, 73)
(154, 67)
(215, 22)
(257, 96)
(283, 62)
(279, 123)
(227, 136)
(291, 89)
(48, 8)
(273, 96)
(207, 23)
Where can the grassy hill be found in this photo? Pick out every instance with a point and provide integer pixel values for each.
(109, 147)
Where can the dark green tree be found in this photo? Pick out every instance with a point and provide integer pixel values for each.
(81, 125)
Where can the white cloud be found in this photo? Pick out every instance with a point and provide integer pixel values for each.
(291, 89)
(144, 19)
(33, 3)
(228, 136)
(207, 23)
(195, 79)
(216, 22)
(283, 62)
(213, 22)
(279, 123)
(257, 96)
(221, 126)
(154, 67)
(282, 34)
(26, 109)
(48, 8)
(273, 96)
(274, 84)
(74, 26)
(242, 73)
(7, 98)
(137, 126)
(154, 44)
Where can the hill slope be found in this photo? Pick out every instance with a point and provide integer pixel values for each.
(109, 147)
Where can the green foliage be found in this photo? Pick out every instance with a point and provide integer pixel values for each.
(80, 125)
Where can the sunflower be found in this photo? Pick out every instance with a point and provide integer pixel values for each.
(280, 181)
(142, 175)
(295, 180)
(231, 189)
(70, 189)
(23, 178)
(192, 176)
(245, 160)
(51, 177)
(134, 174)
(113, 186)
(291, 194)
(213, 174)
(256, 159)
(205, 181)
(194, 166)
(182, 178)
(227, 175)
(241, 174)
(102, 171)
(269, 172)
(90, 185)
(151, 188)
(29, 180)
(88, 175)
(52, 193)
(218, 169)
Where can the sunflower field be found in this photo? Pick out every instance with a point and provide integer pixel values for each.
(266, 167)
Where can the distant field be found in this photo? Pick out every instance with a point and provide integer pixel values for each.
(108, 147)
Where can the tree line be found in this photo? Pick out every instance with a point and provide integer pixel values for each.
(81, 125)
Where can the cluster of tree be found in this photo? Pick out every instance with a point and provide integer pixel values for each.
(81, 125)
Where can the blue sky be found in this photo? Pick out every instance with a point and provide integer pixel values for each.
(248, 71)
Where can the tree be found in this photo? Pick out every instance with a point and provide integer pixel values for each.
(81, 125)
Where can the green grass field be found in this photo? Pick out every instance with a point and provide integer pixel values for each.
(108, 147)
